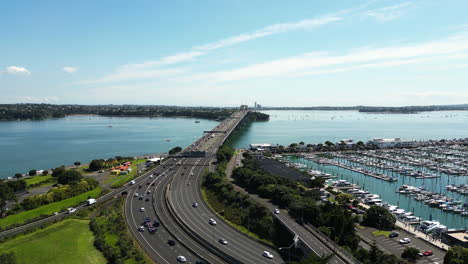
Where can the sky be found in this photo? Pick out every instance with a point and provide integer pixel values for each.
(228, 53)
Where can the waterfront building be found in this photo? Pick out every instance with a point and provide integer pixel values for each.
(456, 238)
(391, 143)
(263, 146)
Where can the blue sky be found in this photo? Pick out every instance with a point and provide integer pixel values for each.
(227, 53)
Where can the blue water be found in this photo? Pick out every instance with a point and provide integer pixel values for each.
(289, 126)
(26, 145)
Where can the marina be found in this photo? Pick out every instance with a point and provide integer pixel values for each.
(423, 193)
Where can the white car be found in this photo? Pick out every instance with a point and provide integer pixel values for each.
(223, 241)
(212, 222)
(181, 259)
(151, 176)
(141, 228)
(142, 209)
(71, 210)
(135, 195)
(277, 211)
(267, 255)
(132, 182)
(405, 240)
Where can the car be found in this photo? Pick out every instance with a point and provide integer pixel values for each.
(141, 228)
(223, 241)
(139, 186)
(195, 205)
(135, 195)
(152, 230)
(394, 234)
(71, 210)
(148, 192)
(171, 242)
(148, 183)
(276, 211)
(132, 182)
(359, 211)
(152, 184)
(151, 176)
(405, 240)
(428, 253)
(124, 192)
(142, 209)
(146, 199)
(181, 259)
(212, 222)
(140, 198)
(156, 223)
(267, 255)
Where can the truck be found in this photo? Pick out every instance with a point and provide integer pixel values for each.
(90, 201)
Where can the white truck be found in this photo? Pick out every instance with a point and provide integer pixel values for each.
(90, 201)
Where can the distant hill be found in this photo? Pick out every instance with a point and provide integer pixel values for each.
(379, 109)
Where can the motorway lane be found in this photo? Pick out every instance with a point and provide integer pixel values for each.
(156, 244)
(239, 246)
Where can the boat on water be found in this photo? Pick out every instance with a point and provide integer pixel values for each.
(196, 121)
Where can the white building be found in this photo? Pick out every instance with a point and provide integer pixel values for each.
(263, 146)
(391, 142)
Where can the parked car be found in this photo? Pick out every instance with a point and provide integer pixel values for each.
(267, 255)
(181, 259)
(212, 222)
(405, 240)
(394, 234)
(428, 253)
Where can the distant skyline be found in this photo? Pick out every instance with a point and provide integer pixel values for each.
(228, 53)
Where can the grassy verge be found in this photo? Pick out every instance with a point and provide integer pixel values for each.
(381, 233)
(48, 209)
(113, 239)
(69, 241)
(39, 181)
(233, 213)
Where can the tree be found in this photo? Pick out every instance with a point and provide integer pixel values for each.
(58, 171)
(380, 218)
(45, 172)
(69, 176)
(344, 198)
(175, 150)
(18, 175)
(77, 163)
(456, 255)
(32, 172)
(410, 254)
(96, 165)
(8, 258)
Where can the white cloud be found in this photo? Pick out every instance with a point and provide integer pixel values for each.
(388, 13)
(70, 69)
(29, 99)
(15, 70)
(126, 75)
(315, 63)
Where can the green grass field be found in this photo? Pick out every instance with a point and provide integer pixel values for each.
(47, 180)
(69, 241)
(48, 209)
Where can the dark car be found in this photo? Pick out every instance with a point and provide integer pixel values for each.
(147, 183)
(171, 242)
(124, 193)
(394, 234)
(156, 223)
(140, 198)
(152, 230)
(152, 184)
(146, 199)
(139, 186)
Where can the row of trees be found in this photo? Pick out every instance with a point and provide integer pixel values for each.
(71, 183)
(7, 192)
(100, 164)
(302, 203)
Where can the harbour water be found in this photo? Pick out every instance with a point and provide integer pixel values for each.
(289, 126)
(26, 145)
(387, 191)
